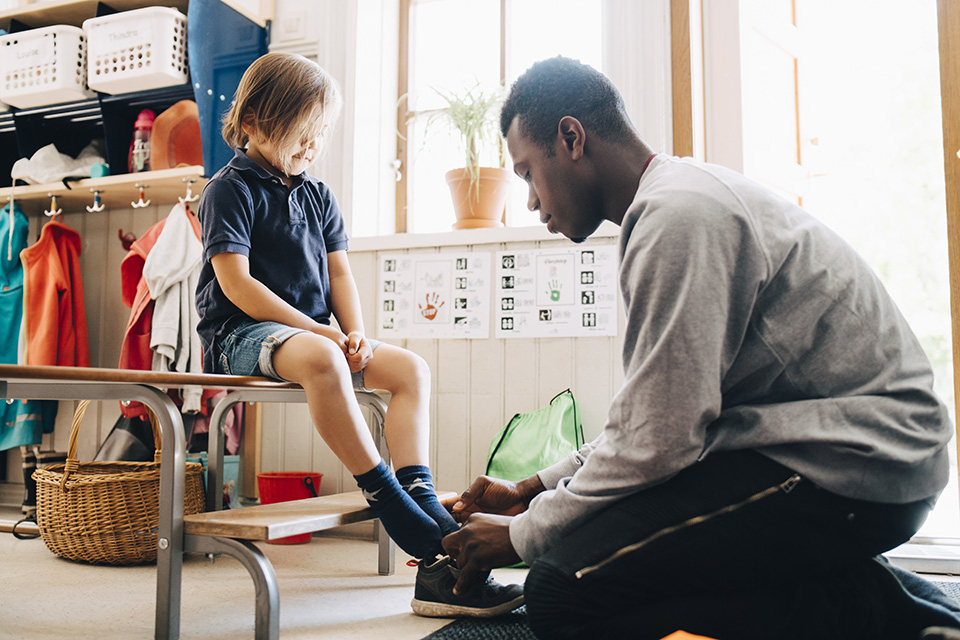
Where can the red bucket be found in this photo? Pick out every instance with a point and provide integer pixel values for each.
(283, 486)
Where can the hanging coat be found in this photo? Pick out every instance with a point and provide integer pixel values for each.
(135, 351)
(54, 317)
(171, 271)
(22, 422)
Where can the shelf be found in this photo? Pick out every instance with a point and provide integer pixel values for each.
(217, 62)
(116, 192)
(72, 12)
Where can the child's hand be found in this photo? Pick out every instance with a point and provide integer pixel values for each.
(358, 351)
(335, 335)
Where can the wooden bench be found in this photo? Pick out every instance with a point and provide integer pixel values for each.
(230, 532)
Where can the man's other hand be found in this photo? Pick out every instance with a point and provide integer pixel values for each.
(481, 544)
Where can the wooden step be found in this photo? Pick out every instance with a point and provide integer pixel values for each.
(282, 519)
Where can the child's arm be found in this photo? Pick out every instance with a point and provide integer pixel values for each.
(346, 308)
(260, 303)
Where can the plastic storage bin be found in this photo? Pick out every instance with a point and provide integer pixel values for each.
(231, 476)
(137, 50)
(43, 66)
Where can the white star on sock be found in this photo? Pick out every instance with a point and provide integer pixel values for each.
(419, 483)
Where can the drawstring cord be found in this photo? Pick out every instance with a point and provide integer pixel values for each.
(12, 220)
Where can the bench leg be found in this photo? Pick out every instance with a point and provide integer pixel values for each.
(386, 553)
(267, 617)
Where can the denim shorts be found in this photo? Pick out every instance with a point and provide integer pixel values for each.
(247, 349)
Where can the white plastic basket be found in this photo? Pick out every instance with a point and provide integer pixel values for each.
(137, 50)
(43, 66)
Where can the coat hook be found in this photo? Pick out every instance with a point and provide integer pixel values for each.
(189, 197)
(141, 202)
(126, 239)
(53, 206)
(97, 204)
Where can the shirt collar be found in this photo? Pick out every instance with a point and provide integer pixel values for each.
(242, 162)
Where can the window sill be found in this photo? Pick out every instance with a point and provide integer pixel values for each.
(469, 237)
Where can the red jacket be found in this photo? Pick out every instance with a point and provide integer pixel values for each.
(135, 350)
(54, 318)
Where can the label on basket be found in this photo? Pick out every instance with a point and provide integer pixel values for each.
(34, 51)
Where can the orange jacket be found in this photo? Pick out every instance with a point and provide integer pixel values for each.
(54, 318)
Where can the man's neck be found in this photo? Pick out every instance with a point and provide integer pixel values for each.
(622, 165)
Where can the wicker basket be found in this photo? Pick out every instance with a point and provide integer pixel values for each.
(106, 512)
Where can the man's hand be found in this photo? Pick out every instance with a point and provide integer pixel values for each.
(493, 495)
(481, 544)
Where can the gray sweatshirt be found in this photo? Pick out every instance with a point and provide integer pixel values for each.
(749, 325)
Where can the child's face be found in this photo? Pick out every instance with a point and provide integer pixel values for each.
(290, 161)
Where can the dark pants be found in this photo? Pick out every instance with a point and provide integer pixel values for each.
(729, 548)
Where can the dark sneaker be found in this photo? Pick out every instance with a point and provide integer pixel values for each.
(433, 595)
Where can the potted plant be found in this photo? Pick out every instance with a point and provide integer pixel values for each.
(479, 193)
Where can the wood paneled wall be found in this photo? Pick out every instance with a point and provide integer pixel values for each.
(100, 257)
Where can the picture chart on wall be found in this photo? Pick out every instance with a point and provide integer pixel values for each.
(442, 295)
(556, 293)
(530, 293)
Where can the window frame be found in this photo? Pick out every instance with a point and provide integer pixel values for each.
(404, 115)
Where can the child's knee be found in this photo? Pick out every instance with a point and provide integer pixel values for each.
(310, 354)
(419, 370)
(413, 373)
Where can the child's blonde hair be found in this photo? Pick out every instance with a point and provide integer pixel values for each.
(290, 98)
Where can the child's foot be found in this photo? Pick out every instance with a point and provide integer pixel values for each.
(433, 595)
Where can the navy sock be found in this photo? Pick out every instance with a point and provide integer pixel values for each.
(417, 481)
(413, 530)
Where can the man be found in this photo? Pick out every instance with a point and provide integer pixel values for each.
(776, 429)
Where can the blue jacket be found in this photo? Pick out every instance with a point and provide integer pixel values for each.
(25, 421)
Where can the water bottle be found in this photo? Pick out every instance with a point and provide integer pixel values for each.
(139, 159)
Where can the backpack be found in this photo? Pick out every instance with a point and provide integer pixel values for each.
(534, 441)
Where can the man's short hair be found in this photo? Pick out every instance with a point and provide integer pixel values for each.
(558, 87)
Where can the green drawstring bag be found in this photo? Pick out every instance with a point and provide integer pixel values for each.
(534, 441)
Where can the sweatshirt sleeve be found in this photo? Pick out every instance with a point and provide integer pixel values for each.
(552, 475)
(690, 271)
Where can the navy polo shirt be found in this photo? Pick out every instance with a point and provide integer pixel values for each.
(286, 235)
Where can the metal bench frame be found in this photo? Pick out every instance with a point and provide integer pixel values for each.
(148, 387)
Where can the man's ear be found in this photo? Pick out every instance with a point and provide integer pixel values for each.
(572, 135)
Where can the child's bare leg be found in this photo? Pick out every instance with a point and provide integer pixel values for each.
(319, 366)
(407, 377)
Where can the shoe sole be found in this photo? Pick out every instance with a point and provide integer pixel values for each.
(430, 609)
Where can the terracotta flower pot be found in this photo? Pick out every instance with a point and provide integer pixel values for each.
(474, 212)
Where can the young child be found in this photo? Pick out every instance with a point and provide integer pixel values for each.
(275, 271)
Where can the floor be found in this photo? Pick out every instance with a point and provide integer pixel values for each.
(329, 588)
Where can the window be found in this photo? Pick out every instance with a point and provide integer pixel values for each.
(837, 119)
(451, 45)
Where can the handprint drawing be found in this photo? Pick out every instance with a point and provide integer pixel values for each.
(430, 310)
(554, 287)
